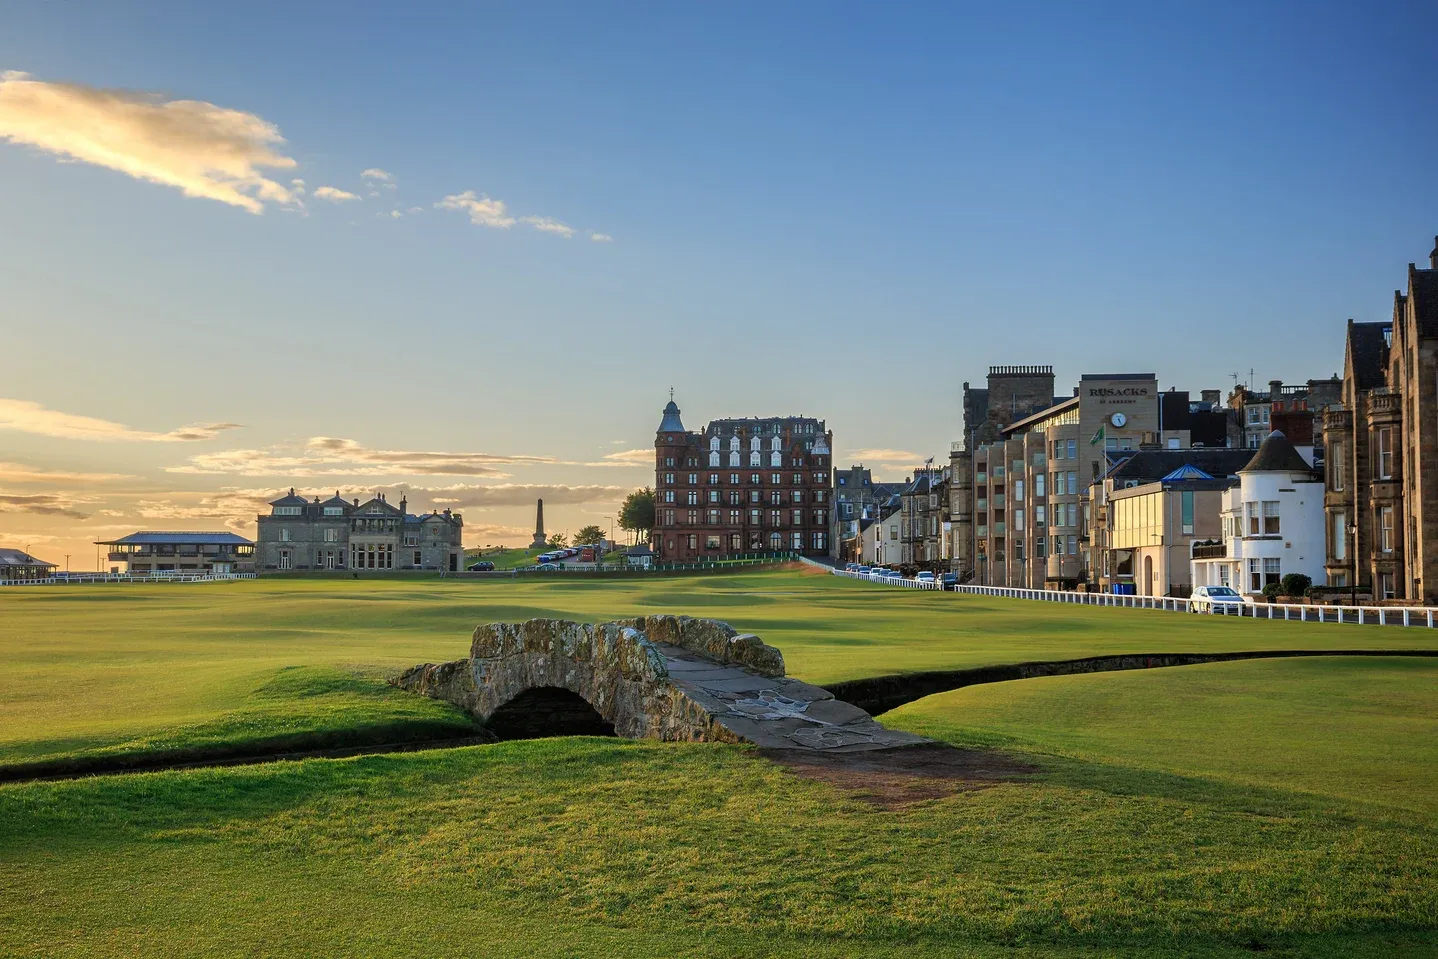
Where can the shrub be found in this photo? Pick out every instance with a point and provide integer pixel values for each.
(1272, 591)
(1296, 584)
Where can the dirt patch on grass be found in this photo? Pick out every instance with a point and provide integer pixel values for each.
(893, 778)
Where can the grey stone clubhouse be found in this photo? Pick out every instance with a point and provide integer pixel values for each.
(337, 533)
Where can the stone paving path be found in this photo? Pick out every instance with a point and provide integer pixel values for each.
(777, 712)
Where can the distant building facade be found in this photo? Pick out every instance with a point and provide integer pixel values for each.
(742, 485)
(1381, 466)
(182, 552)
(18, 566)
(339, 534)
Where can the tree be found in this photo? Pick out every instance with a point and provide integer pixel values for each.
(637, 513)
(557, 540)
(588, 536)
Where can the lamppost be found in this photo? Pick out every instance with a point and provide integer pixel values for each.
(1353, 583)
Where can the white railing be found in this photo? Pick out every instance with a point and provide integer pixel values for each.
(887, 580)
(161, 577)
(1425, 616)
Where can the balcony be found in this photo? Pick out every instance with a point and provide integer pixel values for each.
(1385, 404)
(1210, 551)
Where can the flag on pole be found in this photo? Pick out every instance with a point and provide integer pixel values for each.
(1097, 437)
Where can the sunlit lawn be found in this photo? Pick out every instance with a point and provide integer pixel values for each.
(1287, 807)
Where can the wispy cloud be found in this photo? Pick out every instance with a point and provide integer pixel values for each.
(26, 416)
(40, 504)
(481, 209)
(375, 173)
(627, 458)
(499, 495)
(201, 149)
(545, 224)
(19, 473)
(334, 194)
(601, 237)
(887, 456)
(333, 456)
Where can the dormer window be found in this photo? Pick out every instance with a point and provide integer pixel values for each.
(334, 510)
(287, 511)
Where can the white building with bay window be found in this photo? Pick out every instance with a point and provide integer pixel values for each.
(1272, 522)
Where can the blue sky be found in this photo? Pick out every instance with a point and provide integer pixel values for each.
(841, 210)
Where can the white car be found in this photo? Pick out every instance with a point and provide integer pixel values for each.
(925, 577)
(1216, 599)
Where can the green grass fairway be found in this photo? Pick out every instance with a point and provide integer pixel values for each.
(1354, 731)
(122, 669)
(1282, 807)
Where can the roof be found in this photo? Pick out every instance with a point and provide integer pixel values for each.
(1277, 455)
(640, 550)
(671, 422)
(1186, 472)
(1148, 466)
(18, 557)
(290, 500)
(185, 538)
(1367, 347)
(1070, 403)
(336, 500)
(1423, 291)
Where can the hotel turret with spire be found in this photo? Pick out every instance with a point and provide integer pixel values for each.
(742, 486)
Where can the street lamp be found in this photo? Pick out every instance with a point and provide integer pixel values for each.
(1353, 582)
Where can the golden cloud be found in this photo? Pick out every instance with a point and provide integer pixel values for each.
(201, 149)
(26, 416)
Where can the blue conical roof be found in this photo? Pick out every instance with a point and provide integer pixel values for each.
(1187, 472)
(671, 423)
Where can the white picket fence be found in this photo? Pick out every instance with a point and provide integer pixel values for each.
(161, 577)
(1422, 616)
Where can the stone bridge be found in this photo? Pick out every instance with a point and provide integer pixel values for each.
(656, 677)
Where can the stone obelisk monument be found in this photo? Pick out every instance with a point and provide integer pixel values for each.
(539, 541)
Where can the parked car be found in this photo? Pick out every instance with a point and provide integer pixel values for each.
(863, 570)
(924, 577)
(851, 567)
(1216, 599)
(949, 581)
(483, 567)
(548, 567)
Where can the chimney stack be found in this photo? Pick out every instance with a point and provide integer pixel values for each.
(1275, 389)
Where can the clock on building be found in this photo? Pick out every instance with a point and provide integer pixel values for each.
(1118, 419)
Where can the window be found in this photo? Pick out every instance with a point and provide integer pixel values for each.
(798, 479)
(693, 541)
(1058, 545)
(1018, 489)
(775, 497)
(893, 532)
(1223, 575)
(693, 517)
(1110, 443)
(1185, 509)
(1385, 586)
(712, 517)
(332, 535)
(692, 497)
(668, 479)
(733, 479)
(735, 517)
(669, 496)
(775, 479)
(1272, 571)
(411, 539)
(733, 497)
(713, 478)
(713, 496)
(1255, 576)
(714, 458)
(1173, 442)
(798, 496)
(818, 496)
(1018, 519)
(1073, 514)
(1073, 449)
(1385, 528)
(736, 542)
(1039, 547)
(668, 517)
(1039, 485)
(798, 515)
(287, 510)
(711, 542)
(1340, 537)
(334, 510)
(753, 479)
(284, 534)
(1039, 517)
(284, 559)
(1073, 545)
(819, 517)
(819, 541)
(1250, 512)
(417, 560)
(775, 517)
(1384, 449)
(1335, 467)
(1073, 483)
(693, 479)
(1270, 517)
(669, 461)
